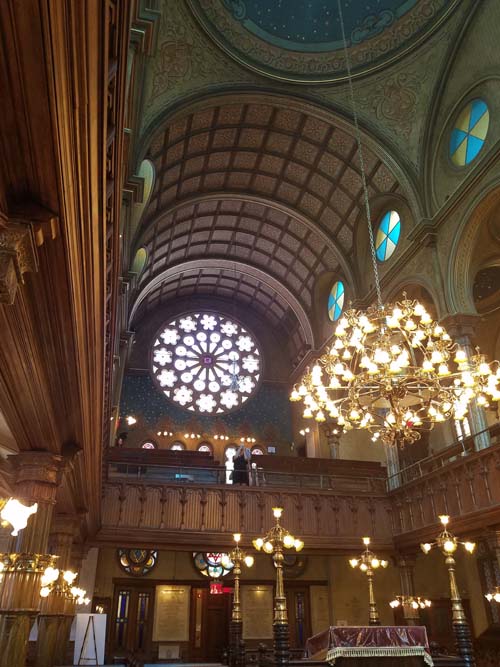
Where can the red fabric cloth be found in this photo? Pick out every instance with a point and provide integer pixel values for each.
(382, 635)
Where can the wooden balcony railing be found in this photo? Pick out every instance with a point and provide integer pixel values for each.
(174, 514)
(467, 488)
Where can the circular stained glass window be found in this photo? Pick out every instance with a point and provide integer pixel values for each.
(137, 562)
(469, 134)
(212, 564)
(336, 301)
(206, 363)
(388, 234)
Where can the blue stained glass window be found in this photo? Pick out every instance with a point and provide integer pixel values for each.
(388, 233)
(469, 133)
(336, 301)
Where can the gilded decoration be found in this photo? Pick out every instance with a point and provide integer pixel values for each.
(305, 44)
(17, 256)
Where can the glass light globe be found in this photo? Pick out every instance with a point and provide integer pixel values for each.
(44, 591)
(258, 543)
(17, 514)
(288, 541)
(298, 544)
(268, 547)
(277, 512)
(366, 541)
(496, 597)
(470, 546)
(363, 567)
(353, 562)
(236, 537)
(249, 561)
(426, 547)
(449, 546)
(69, 576)
(375, 563)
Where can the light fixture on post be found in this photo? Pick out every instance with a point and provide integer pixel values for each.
(415, 603)
(448, 544)
(368, 562)
(494, 596)
(277, 539)
(236, 557)
(392, 370)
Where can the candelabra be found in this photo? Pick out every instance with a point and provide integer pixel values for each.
(494, 596)
(448, 544)
(273, 543)
(60, 583)
(236, 558)
(410, 601)
(368, 563)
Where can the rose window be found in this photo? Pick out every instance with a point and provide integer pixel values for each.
(206, 363)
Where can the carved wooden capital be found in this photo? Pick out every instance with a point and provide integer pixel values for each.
(37, 468)
(20, 232)
(17, 256)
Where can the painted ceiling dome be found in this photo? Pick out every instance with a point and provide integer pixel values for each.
(301, 40)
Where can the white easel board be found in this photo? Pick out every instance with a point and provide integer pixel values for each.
(90, 636)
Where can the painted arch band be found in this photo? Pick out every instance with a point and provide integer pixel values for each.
(206, 362)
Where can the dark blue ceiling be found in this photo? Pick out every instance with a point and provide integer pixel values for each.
(314, 24)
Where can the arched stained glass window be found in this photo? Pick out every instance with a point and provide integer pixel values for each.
(469, 133)
(206, 363)
(205, 447)
(336, 301)
(137, 562)
(257, 451)
(388, 233)
(178, 445)
(212, 564)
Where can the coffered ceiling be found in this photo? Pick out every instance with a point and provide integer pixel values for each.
(255, 181)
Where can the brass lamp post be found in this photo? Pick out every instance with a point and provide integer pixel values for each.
(237, 557)
(368, 562)
(273, 543)
(448, 544)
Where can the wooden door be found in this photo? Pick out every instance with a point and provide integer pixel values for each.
(131, 622)
(210, 617)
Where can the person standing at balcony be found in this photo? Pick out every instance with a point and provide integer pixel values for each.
(241, 463)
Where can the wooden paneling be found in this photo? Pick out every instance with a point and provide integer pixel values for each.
(180, 515)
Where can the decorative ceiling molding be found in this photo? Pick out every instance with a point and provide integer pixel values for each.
(306, 45)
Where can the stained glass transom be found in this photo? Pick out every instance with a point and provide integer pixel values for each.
(336, 301)
(137, 562)
(212, 564)
(206, 363)
(388, 234)
(469, 134)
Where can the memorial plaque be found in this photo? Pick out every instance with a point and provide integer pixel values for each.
(257, 608)
(171, 621)
(320, 614)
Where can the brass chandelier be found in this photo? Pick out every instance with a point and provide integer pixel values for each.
(394, 371)
(391, 369)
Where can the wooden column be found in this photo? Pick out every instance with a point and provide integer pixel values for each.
(38, 475)
(57, 613)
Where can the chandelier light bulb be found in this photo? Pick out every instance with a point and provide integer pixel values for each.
(249, 561)
(363, 567)
(17, 514)
(415, 604)
(69, 576)
(426, 547)
(384, 563)
(394, 603)
(288, 541)
(449, 546)
(44, 591)
(375, 563)
(470, 546)
(366, 541)
(444, 518)
(258, 543)
(353, 562)
(236, 537)
(268, 547)
(298, 544)
(277, 512)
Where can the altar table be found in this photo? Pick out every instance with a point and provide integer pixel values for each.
(393, 643)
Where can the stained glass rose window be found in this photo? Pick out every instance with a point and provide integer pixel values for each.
(206, 362)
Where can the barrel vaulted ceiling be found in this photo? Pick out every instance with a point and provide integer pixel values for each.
(256, 200)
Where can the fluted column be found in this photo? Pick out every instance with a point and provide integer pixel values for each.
(56, 614)
(38, 475)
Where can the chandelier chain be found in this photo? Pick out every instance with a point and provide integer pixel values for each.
(361, 160)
